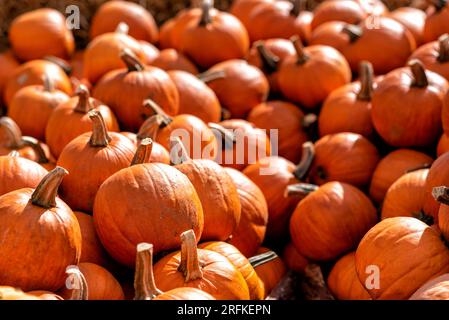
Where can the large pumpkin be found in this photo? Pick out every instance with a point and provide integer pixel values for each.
(44, 228)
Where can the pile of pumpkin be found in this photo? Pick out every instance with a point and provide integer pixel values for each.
(94, 188)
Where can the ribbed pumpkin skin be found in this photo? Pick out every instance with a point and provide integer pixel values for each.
(125, 214)
(343, 281)
(256, 290)
(407, 253)
(435, 289)
(185, 293)
(270, 273)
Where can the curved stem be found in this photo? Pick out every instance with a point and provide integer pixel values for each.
(262, 258)
(307, 157)
(299, 48)
(366, 81)
(441, 194)
(144, 284)
(100, 136)
(269, 60)
(209, 76)
(443, 48)
(178, 152)
(206, 19)
(300, 189)
(419, 74)
(37, 148)
(45, 193)
(353, 31)
(143, 152)
(13, 132)
(122, 28)
(78, 283)
(150, 127)
(83, 105)
(190, 264)
(49, 84)
(166, 119)
(64, 65)
(131, 61)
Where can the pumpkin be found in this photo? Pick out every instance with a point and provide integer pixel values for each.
(344, 211)
(255, 286)
(141, 23)
(443, 144)
(88, 159)
(158, 152)
(345, 157)
(312, 74)
(199, 268)
(223, 34)
(139, 82)
(35, 72)
(39, 33)
(76, 64)
(441, 194)
(32, 106)
(150, 52)
(405, 197)
(195, 97)
(10, 293)
(248, 145)
(268, 55)
(70, 119)
(356, 42)
(412, 19)
(45, 295)
(242, 9)
(407, 106)
(438, 176)
(41, 223)
(343, 281)
(145, 286)
(435, 289)
(293, 259)
(216, 190)
(250, 232)
(348, 108)
(100, 282)
(125, 215)
(417, 253)
(346, 11)
(288, 119)
(272, 174)
(17, 173)
(392, 167)
(165, 32)
(170, 59)
(280, 19)
(436, 21)
(8, 64)
(103, 53)
(269, 268)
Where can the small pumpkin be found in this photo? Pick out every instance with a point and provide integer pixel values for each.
(392, 167)
(200, 268)
(407, 106)
(39, 33)
(41, 223)
(269, 268)
(441, 194)
(436, 21)
(170, 59)
(412, 19)
(346, 11)
(158, 152)
(435, 289)
(416, 249)
(344, 211)
(150, 52)
(88, 159)
(438, 176)
(312, 74)
(8, 64)
(293, 259)
(139, 82)
(343, 281)
(251, 229)
(70, 119)
(141, 23)
(443, 144)
(242, 9)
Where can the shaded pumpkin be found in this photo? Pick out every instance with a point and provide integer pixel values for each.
(437, 20)
(45, 295)
(170, 59)
(346, 11)
(293, 259)
(435, 289)
(443, 144)
(412, 19)
(438, 176)
(242, 9)
(150, 52)
(8, 63)
(158, 152)
(270, 269)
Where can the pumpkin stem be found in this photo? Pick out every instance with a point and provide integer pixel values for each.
(37, 148)
(209, 76)
(300, 189)
(84, 105)
(166, 119)
(49, 84)
(78, 283)
(143, 152)
(190, 264)
(262, 258)
(353, 31)
(307, 157)
(150, 127)
(298, 7)
(144, 284)
(45, 193)
(206, 19)
(131, 61)
(223, 134)
(443, 48)
(366, 81)
(100, 136)
(64, 65)
(419, 74)
(178, 152)
(269, 60)
(302, 56)
(14, 154)
(441, 194)
(11, 128)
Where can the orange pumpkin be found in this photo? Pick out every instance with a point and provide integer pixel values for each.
(437, 21)
(443, 144)
(200, 268)
(270, 270)
(346, 11)
(158, 152)
(242, 9)
(435, 289)
(293, 259)
(11, 293)
(412, 19)
(438, 176)
(45, 295)
(150, 51)
(8, 64)
(170, 59)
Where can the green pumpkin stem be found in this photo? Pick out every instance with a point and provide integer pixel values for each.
(100, 136)
(190, 264)
(143, 152)
(209, 76)
(131, 61)
(419, 74)
(307, 157)
(353, 31)
(300, 189)
(144, 284)
(299, 48)
(262, 258)
(45, 193)
(83, 105)
(443, 48)
(206, 19)
(79, 287)
(366, 81)
(269, 60)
